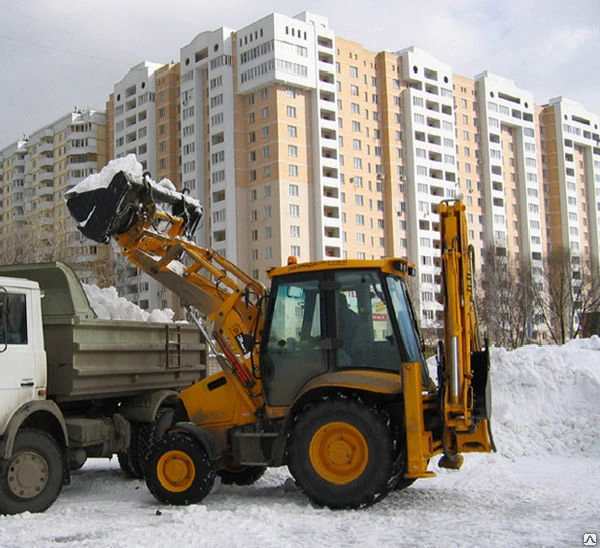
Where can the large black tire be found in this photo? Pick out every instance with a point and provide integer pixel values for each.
(241, 475)
(129, 459)
(32, 479)
(178, 469)
(150, 432)
(342, 453)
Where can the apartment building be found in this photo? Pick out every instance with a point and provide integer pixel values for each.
(143, 115)
(570, 154)
(299, 142)
(259, 140)
(35, 173)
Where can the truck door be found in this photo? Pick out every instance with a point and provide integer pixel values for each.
(17, 360)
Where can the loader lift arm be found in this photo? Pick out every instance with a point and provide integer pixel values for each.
(157, 241)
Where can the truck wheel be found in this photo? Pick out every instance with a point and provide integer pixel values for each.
(32, 478)
(241, 475)
(341, 453)
(129, 459)
(178, 469)
(150, 432)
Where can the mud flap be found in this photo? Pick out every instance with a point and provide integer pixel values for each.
(99, 212)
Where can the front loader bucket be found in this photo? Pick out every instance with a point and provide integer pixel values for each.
(102, 212)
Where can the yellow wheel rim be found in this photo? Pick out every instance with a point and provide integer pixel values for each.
(339, 452)
(175, 471)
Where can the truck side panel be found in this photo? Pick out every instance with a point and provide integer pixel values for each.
(101, 358)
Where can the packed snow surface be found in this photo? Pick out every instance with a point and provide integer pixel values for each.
(542, 487)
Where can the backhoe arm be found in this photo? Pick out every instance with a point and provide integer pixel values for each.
(464, 384)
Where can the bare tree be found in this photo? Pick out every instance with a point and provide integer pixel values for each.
(506, 299)
(571, 288)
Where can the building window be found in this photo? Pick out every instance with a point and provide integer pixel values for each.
(291, 111)
(292, 131)
(292, 150)
(293, 190)
(293, 171)
(354, 72)
(294, 210)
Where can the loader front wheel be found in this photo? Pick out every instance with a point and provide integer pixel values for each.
(178, 469)
(342, 454)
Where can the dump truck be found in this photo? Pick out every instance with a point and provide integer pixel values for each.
(323, 372)
(73, 386)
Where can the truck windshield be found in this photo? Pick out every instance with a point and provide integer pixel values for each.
(406, 322)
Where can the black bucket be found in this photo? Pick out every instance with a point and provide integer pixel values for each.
(102, 212)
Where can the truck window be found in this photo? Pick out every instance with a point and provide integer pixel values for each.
(13, 329)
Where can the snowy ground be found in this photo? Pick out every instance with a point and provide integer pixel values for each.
(541, 489)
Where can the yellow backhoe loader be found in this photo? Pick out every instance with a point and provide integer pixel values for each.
(323, 371)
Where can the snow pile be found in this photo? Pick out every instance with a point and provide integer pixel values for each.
(107, 305)
(546, 399)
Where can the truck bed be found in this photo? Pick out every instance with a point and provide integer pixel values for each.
(92, 358)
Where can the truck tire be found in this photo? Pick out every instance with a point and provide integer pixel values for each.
(150, 432)
(341, 453)
(129, 459)
(32, 478)
(241, 475)
(178, 469)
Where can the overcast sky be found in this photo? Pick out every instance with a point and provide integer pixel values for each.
(57, 54)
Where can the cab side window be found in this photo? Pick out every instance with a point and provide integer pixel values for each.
(13, 317)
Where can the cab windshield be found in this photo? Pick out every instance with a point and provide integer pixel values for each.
(404, 315)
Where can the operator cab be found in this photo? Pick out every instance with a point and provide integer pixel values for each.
(329, 320)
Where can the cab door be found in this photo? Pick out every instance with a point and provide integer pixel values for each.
(295, 348)
(17, 356)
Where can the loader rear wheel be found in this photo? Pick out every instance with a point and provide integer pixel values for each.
(241, 475)
(341, 453)
(32, 478)
(178, 469)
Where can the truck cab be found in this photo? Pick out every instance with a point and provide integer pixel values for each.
(22, 355)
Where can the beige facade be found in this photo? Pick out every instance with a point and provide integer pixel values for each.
(571, 172)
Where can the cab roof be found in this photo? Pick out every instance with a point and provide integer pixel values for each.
(396, 265)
